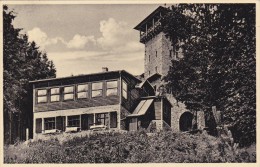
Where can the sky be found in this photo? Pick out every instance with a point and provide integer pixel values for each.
(81, 39)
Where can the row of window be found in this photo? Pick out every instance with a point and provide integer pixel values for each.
(81, 91)
(74, 121)
(172, 54)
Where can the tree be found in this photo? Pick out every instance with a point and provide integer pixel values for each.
(218, 66)
(23, 62)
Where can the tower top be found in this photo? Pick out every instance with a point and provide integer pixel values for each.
(156, 14)
(151, 25)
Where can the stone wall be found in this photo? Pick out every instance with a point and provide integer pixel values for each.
(158, 53)
(158, 49)
(167, 54)
(177, 110)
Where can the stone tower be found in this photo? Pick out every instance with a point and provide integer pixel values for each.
(158, 49)
(159, 53)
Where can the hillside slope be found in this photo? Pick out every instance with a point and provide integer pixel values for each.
(130, 147)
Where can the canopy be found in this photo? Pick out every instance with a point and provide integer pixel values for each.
(142, 108)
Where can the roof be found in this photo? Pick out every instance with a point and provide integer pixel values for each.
(156, 97)
(142, 108)
(154, 77)
(86, 75)
(141, 76)
(140, 85)
(141, 25)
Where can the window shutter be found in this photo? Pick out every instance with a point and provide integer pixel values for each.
(113, 119)
(39, 125)
(84, 121)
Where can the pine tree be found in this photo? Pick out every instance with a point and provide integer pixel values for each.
(23, 62)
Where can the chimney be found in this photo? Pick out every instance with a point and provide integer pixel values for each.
(104, 69)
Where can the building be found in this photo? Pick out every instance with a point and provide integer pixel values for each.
(159, 53)
(109, 99)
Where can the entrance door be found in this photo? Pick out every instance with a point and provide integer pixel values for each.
(133, 124)
(60, 123)
(90, 118)
(186, 121)
(84, 122)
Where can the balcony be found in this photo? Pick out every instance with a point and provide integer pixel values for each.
(150, 32)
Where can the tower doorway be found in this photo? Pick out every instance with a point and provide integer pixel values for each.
(186, 121)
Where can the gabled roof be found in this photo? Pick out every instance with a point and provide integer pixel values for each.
(140, 85)
(154, 77)
(156, 12)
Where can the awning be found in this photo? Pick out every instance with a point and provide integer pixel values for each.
(142, 108)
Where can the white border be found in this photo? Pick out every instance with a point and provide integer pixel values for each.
(39, 2)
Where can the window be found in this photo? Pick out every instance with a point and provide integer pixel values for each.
(111, 88)
(97, 89)
(102, 119)
(74, 121)
(170, 54)
(156, 69)
(82, 91)
(176, 54)
(49, 123)
(42, 96)
(124, 89)
(155, 53)
(69, 93)
(55, 94)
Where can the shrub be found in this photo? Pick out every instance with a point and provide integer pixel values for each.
(130, 147)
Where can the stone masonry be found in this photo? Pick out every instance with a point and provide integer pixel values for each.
(157, 55)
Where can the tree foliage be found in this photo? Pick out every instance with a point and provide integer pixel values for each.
(218, 67)
(23, 62)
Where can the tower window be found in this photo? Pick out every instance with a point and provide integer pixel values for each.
(149, 58)
(156, 53)
(156, 69)
(170, 53)
(176, 54)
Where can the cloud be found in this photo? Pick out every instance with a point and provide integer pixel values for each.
(41, 38)
(117, 36)
(79, 42)
(112, 33)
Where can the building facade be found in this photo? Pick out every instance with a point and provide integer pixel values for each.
(108, 100)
